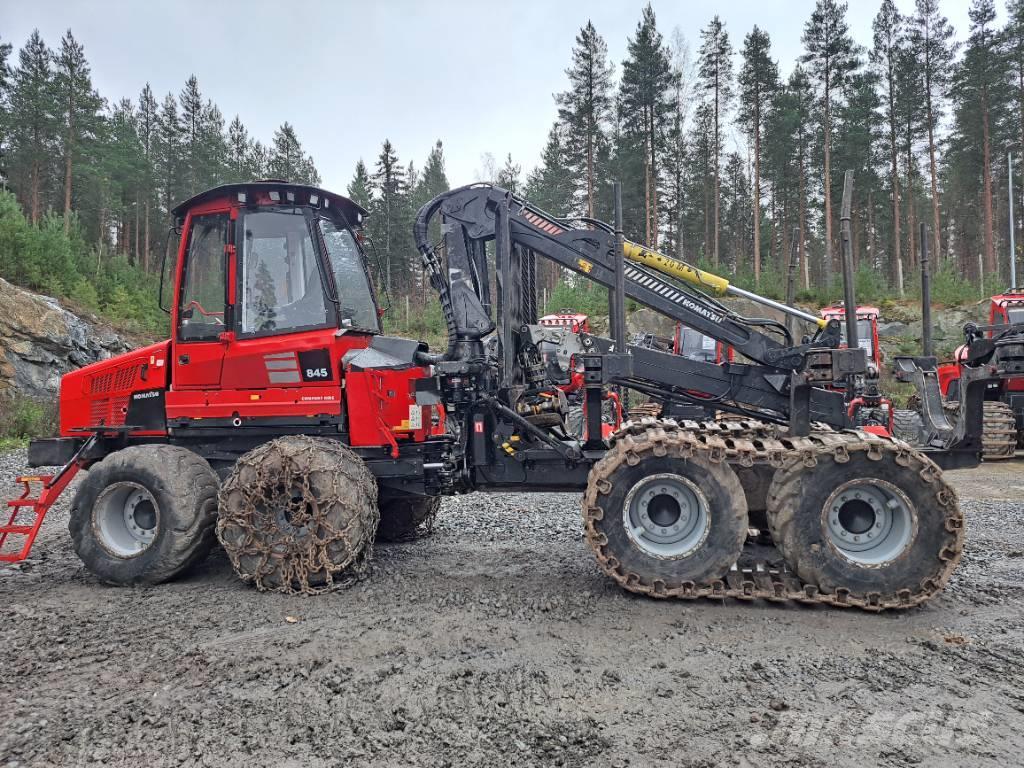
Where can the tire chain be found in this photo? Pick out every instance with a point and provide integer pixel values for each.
(746, 443)
(999, 432)
(292, 573)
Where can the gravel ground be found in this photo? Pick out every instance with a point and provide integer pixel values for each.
(497, 642)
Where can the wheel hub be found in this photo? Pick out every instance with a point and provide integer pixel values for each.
(126, 519)
(666, 515)
(869, 522)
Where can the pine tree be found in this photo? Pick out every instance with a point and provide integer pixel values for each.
(979, 91)
(758, 80)
(148, 121)
(931, 39)
(585, 110)
(79, 106)
(5, 108)
(33, 123)
(1014, 36)
(831, 57)
(676, 154)
(716, 79)
(168, 156)
(191, 102)
(645, 112)
(888, 28)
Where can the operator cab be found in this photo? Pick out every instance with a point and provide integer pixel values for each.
(867, 329)
(694, 345)
(1007, 308)
(294, 263)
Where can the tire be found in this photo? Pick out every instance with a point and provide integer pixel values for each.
(908, 426)
(999, 431)
(407, 518)
(915, 552)
(672, 479)
(166, 485)
(299, 514)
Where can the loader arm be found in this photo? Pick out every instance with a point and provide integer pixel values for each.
(777, 384)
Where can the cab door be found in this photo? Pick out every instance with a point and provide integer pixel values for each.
(201, 316)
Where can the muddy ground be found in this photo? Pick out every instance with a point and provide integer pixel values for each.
(497, 642)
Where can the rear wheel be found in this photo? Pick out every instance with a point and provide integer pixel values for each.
(907, 425)
(871, 519)
(407, 518)
(298, 514)
(661, 514)
(999, 434)
(144, 514)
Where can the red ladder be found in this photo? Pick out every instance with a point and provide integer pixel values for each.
(52, 487)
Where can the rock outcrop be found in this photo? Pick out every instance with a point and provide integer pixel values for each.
(40, 340)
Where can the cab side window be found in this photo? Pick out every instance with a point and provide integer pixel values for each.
(202, 300)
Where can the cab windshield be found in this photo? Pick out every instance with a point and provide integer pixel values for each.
(355, 299)
(865, 337)
(1015, 314)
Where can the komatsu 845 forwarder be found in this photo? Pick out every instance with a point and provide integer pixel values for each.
(281, 421)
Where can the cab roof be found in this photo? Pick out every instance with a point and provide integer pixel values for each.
(839, 310)
(303, 194)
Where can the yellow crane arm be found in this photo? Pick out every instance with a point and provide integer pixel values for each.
(706, 281)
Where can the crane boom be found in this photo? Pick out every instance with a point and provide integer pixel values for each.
(707, 281)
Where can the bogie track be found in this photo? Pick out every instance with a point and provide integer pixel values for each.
(895, 473)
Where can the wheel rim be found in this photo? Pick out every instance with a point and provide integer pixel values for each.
(666, 516)
(126, 519)
(869, 522)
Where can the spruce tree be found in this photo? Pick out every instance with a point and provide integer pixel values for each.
(758, 81)
(239, 147)
(508, 175)
(359, 189)
(931, 39)
(390, 202)
(33, 123)
(79, 108)
(585, 110)
(287, 159)
(645, 113)
(716, 79)
(830, 55)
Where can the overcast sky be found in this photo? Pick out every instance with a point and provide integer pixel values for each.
(478, 75)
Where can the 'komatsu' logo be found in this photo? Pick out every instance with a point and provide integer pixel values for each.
(702, 310)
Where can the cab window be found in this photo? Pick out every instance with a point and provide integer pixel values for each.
(202, 299)
(282, 289)
(355, 299)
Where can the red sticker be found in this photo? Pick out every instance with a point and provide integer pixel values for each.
(478, 426)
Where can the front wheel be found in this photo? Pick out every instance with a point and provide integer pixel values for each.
(144, 514)
(405, 518)
(298, 514)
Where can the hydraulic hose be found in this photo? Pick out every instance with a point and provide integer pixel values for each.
(435, 273)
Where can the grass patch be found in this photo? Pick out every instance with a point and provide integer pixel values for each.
(23, 418)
